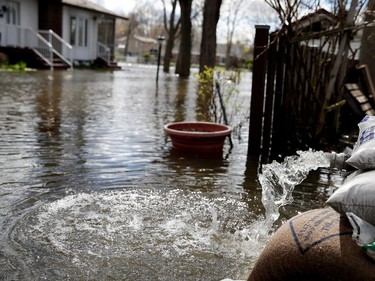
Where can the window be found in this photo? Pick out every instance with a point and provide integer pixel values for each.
(13, 12)
(78, 31)
(73, 30)
(86, 24)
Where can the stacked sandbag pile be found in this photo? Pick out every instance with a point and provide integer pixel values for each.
(356, 197)
(318, 244)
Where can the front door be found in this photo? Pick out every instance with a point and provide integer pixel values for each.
(106, 34)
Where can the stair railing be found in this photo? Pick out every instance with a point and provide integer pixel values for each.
(45, 44)
(104, 53)
(39, 45)
(61, 48)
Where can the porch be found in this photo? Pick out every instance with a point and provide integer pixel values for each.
(45, 49)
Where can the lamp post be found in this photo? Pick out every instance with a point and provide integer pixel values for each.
(160, 42)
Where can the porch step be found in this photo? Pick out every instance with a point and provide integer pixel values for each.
(358, 100)
(99, 62)
(57, 63)
(32, 60)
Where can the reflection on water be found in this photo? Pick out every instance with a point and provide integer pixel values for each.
(90, 189)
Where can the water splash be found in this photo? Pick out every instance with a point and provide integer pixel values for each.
(147, 234)
(279, 179)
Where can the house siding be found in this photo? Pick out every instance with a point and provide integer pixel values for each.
(81, 53)
(29, 13)
(28, 10)
(27, 16)
(55, 15)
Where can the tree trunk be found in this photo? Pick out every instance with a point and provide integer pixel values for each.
(184, 55)
(172, 29)
(211, 15)
(128, 35)
(168, 54)
(228, 60)
(234, 9)
(132, 25)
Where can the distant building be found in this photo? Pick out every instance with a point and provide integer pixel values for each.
(235, 57)
(141, 49)
(320, 21)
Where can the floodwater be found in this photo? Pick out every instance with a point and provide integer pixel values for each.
(90, 188)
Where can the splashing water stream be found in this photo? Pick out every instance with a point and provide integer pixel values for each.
(279, 179)
(143, 234)
(136, 232)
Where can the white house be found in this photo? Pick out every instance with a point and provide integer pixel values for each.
(53, 33)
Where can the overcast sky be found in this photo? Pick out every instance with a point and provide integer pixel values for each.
(253, 12)
(121, 6)
(256, 13)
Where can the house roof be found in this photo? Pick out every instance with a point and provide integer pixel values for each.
(146, 39)
(221, 50)
(321, 16)
(88, 5)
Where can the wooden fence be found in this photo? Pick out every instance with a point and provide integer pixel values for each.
(297, 97)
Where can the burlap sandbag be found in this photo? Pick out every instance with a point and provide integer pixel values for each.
(315, 245)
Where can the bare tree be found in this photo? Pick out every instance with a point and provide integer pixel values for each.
(232, 15)
(314, 78)
(142, 21)
(339, 66)
(171, 27)
(184, 55)
(152, 20)
(211, 14)
(132, 25)
(287, 10)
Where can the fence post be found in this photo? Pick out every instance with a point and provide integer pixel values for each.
(278, 133)
(270, 97)
(257, 90)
